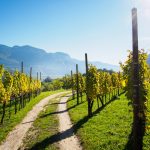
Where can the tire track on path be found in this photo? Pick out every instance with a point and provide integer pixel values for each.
(15, 137)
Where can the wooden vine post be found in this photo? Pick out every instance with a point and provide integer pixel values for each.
(30, 93)
(65, 82)
(119, 76)
(40, 79)
(72, 84)
(88, 100)
(4, 111)
(37, 76)
(137, 121)
(37, 81)
(30, 74)
(22, 97)
(40, 76)
(77, 83)
(22, 69)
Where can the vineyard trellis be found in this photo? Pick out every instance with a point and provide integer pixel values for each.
(97, 85)
(134, 80)
(15, 89)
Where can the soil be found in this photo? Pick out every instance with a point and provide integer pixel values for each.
(15, 137)
(68, 141)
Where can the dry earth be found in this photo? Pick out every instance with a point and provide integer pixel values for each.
(15, 137)
(68, 141)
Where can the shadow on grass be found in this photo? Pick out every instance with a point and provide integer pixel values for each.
(102, 107)
(52, 139)
(128, 146)
(59, 136)
(59, 112)
(71, 99)
(68, 133)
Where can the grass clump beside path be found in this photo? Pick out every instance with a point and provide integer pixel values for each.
(9, 124)
(44, 131)
(108, 129)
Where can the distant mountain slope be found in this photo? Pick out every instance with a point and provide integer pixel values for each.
(148, 60)
(50, 64)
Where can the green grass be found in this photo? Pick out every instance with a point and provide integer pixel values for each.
(108, 129)
(9, 124)
(43, 133)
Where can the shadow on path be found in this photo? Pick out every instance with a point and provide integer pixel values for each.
(57, 103)
(58, 112)
(28, 122)
(68, 133)
(52, 139)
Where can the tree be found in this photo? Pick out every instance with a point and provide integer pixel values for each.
(48, 79)
(7, 91)
(57, 84)
(92, 87)
(66, 82)
(127, 68)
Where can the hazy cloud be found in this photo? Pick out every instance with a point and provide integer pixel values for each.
(145, 39)
(144, 7)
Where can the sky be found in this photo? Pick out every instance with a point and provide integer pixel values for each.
(100, 28)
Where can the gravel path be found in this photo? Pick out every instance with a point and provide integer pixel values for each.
(15, 137)
(68, 141)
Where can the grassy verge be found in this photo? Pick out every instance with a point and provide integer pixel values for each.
(9, 124)
(108, 129)
(44, 130)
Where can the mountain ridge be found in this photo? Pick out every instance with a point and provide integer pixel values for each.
(49, 64)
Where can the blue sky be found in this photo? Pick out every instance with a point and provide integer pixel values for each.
(102, 28)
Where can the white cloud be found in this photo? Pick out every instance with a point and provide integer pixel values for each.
(144, 6)
(145, 3)
(145, 39)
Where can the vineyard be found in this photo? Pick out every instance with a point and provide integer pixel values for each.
(134, 80)
(109, 110)
(110, 106)
(16, 89)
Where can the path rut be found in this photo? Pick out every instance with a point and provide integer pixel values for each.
(68, 141)
(15, 137)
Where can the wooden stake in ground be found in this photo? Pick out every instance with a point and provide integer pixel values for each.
(37, 92)
(40, 76)
(89, 102)
(30, 74)
(137, 121)
(30, 93)
(21, 97)
(72, 85)
(77, 83)
(22, 69)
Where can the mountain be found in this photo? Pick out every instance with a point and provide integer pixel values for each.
(49, 64)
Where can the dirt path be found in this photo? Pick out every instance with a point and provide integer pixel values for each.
(68, 141)
(15, 137)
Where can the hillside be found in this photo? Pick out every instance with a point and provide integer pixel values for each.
(50, 64)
